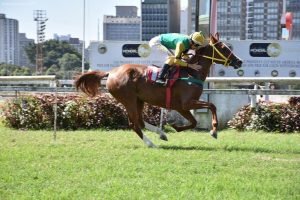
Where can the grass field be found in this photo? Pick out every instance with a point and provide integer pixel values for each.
(116, 165)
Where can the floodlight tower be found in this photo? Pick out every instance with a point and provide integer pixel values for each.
(40, 17)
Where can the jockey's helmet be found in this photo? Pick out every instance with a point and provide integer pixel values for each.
(198, 38)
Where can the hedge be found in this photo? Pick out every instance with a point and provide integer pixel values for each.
(73, 112)
(268, 116)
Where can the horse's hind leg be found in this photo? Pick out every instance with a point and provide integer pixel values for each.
(194, 104)
(187, 115)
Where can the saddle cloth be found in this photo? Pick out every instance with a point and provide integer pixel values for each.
(152, 73)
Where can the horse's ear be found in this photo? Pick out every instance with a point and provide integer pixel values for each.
(217, 36)
(213, 39)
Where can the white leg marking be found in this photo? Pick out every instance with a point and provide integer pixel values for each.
(148, 142)
(155, 129)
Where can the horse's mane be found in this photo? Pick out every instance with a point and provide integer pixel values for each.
(198, 52)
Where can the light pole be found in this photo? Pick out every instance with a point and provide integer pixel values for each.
(83, 40)
(40, 18)
(213, 17)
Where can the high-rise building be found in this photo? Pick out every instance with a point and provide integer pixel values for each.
(266, 15)
(192, 15)
(249, 19)
(24, 42)
(61, 37)
(184, 28)
(9, 40)
(203, 16)
(125, 26)
(160, 16)
(74, 42)
(126, 11)
(293, 6)
(231, 19)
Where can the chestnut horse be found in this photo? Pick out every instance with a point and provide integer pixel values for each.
(128, 85)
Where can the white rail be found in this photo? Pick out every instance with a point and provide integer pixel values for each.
(283, 80)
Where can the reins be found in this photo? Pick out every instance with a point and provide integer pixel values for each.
(222, 59)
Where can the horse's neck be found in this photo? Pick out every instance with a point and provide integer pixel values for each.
(205, 63)
(204, 70)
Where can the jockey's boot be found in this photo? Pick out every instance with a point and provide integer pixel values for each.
(161, 77)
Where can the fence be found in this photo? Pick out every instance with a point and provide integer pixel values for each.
(255, 81)
(37, 84)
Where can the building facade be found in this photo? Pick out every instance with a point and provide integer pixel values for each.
(260, 19)
(231, 19)
(294, 7)
(249, 19)
(158, 17)
(125, 26)
(24, 42)
(9, 40)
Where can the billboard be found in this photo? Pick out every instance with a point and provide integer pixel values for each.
(105, 55)
(263, 59)
(260, 58)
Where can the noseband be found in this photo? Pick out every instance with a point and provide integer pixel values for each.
(222, 59)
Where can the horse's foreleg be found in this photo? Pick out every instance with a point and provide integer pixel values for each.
(140, 108)
(134, 117)
(143, 124)
(187, 115)
(157, 130)
(194, 104)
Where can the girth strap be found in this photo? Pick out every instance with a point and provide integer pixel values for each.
(193, 80)
(170, 83)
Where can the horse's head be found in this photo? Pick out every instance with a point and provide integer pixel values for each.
(219, 53)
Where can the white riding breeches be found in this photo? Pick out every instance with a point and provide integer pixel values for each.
(155, 43)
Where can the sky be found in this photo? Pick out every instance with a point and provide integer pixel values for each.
(65, 16)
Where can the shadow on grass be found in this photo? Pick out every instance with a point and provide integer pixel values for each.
(228, 149)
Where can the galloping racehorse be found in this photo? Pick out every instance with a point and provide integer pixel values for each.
(128, 85)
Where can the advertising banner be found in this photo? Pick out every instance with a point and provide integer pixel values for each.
(260, 58)
(263, 59)
(105, 55)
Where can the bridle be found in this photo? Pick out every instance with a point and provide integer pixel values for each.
(222, 59)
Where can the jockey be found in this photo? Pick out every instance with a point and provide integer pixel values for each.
(178, 42)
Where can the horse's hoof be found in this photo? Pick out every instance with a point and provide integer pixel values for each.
(152, 146)
(214, 134)
(163, 137)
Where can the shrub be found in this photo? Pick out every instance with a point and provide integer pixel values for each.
(25, 113)
(73, 112)
(269, 117)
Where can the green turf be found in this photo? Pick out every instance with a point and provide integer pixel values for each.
(117, 165)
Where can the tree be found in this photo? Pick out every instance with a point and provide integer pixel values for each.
(59, 54)
(14, 70)
(69, 62)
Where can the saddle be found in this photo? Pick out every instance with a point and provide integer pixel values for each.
(174, 74)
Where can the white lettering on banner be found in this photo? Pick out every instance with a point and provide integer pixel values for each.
(271, 63)
(130, 51)
(259, 50)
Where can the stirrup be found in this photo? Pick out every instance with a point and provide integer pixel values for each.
(160, 82)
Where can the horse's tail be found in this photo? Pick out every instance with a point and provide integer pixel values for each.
(89, 82)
